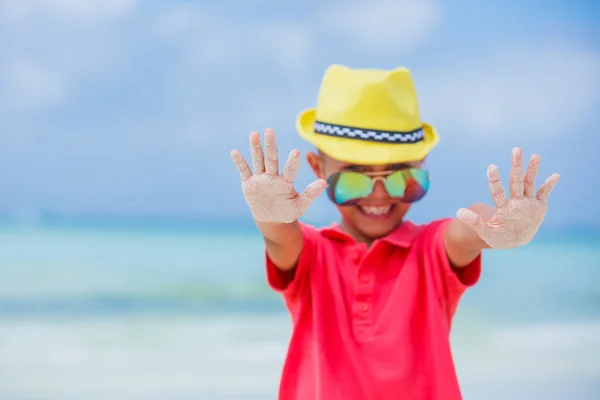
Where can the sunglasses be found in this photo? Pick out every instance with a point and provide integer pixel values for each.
(406, 185)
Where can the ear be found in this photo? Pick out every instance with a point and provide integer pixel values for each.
(316, 163)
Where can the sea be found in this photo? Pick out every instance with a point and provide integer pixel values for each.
(128, 311)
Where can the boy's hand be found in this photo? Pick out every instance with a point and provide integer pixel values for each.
(517, 219)
(271, 196)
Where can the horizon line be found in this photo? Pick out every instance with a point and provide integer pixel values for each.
(111, 219)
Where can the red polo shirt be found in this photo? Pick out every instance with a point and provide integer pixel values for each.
(372, 324)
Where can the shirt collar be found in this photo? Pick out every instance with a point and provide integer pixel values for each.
(402, 236)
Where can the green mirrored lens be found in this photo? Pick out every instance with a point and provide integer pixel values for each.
(395, 184)
(352, 186)
(409, 184)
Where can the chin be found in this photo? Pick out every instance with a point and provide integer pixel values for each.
(375, 233)
(374, 219)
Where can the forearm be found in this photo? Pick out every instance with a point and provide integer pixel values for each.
(463, 244)
(283, 243)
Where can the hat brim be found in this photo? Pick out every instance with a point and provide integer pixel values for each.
(364, 152)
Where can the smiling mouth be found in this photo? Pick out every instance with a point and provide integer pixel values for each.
(377, 211)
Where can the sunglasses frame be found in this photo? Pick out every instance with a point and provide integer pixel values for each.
(375, 176)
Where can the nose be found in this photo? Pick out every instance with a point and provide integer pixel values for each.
(379, 191)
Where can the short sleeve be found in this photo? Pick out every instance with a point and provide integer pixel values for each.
(455, 281)
(292, 284)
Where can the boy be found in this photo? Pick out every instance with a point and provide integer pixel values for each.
(372, 299)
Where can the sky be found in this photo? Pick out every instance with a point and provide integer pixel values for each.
(130, 108)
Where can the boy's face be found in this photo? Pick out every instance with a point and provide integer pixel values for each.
(374, 216)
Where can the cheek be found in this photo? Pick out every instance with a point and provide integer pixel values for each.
(402, 208)
(353, 215)
(348, 212)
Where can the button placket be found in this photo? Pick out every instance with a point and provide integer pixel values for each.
(362, 321)
(365, 280)
(363, 292)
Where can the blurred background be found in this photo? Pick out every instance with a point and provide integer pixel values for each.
(129, 265)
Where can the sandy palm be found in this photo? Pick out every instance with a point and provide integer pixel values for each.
(271, 196)
(519, 217)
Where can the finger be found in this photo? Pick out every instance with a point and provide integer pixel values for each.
(530, 175)
(242, 165)
(496, 188)
(472, 220)
(271, 161)
(516, 174)
(312, 191)
(258, 157)
(544, 190)
(291, 166)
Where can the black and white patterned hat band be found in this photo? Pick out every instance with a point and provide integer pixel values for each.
(372, 135)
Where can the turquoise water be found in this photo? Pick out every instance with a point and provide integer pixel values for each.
(105, 311)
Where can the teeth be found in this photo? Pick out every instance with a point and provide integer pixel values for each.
(376, 210)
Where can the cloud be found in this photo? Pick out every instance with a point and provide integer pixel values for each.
(542, 90)
(29, 86)
(402, 24)
(51, 46)
(68, 10)
(198, 38)
(290, 44)
(208, 39)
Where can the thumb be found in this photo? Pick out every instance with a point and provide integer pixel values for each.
(312, 191)
(472, 220)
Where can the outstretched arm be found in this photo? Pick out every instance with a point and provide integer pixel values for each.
(512, 223)
(273, 201)
(462, 243)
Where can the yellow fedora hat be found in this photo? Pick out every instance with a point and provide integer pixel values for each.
(367, 116)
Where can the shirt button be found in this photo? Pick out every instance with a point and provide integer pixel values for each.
(364, 278)
(363, 307)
